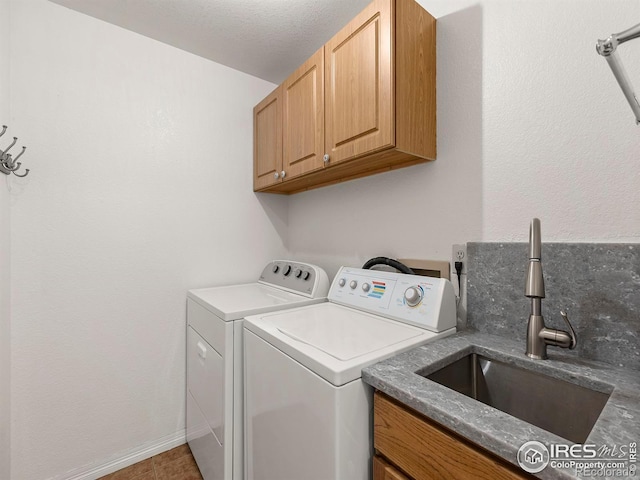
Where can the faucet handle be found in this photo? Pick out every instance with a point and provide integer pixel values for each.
(572, 333)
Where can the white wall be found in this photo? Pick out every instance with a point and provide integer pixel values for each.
(5, 321)
(530, 123)
(560, 139)
(141, 158)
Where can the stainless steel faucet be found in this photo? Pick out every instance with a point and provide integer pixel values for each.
(539, 336)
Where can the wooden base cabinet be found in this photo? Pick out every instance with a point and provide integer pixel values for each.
(363, 104)
(411, 446)
(382, 470)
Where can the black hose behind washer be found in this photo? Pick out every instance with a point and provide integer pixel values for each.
(401, 267)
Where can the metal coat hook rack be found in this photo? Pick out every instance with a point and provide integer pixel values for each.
(8, 163)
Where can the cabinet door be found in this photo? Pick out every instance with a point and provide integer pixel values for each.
(383, 471)
(267, 140)
(303, 123)
(359, 85)
(424, 449)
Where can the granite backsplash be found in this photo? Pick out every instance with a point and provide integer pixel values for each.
(598, 285)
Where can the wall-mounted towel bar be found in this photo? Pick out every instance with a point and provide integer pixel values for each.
(9, 164)
(607, 48)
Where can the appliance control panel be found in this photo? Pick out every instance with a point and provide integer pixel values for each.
(296, 277)
(425, 302)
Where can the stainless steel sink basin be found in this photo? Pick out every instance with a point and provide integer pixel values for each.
(560, 407)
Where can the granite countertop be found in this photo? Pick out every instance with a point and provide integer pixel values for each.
(498, 432)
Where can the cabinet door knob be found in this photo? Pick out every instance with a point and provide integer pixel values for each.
(276, 175)
(326, 158)
(282, 173)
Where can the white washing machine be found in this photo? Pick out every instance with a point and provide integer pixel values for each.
(214, 357)
(308, 414)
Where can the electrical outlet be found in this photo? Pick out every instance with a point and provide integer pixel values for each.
(459, 254)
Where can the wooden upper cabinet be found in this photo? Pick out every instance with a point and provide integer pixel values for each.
(267, 141)
(367, 99)
(359, 85)
(415, 88)
(303, 121)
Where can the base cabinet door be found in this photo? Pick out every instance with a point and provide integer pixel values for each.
(424, 449)
(384, 471)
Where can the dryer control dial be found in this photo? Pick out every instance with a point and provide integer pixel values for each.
(353, 284)
(413, 295)
(287, 270)
(342, 282)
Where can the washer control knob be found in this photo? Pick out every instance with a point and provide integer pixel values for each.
(353, 284)
(306, 275)
(276, 268)
(413, 296)
(287, 270)
(342, 282)
(298, 273)
(366, 287)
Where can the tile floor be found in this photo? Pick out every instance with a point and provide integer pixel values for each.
(174, 464)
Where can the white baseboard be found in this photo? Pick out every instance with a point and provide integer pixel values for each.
(124, 459)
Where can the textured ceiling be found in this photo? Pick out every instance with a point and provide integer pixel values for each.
(265, 38)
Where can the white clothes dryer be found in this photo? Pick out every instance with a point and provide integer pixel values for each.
(214, 357)
(308, 414)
